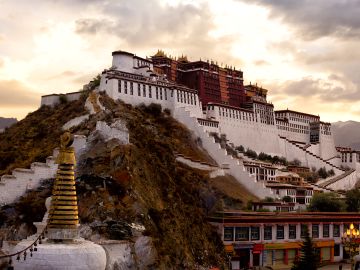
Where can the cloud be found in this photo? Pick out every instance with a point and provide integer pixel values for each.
(317, 19)
(15, 94)
(142, 24)
(324, 90)
(261, 63)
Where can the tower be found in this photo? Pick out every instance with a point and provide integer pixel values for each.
(63, 215)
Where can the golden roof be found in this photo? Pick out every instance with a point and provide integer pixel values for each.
(160, 53)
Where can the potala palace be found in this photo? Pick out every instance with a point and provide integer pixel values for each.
(209, 100)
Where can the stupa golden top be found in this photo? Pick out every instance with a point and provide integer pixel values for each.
(63, 215)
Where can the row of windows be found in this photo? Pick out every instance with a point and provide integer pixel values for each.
(160, 93)
(253, 232)
(236, 114)
(208, 123)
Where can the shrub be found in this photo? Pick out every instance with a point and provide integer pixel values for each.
(322, 173)
(251, 153)
(63, 99)
(240, 149)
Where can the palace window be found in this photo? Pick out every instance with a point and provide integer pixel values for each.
(279, 232)
(292, 231)
(131, 88)
(326, 230)
(119, 86)
(267, 232)
(228, 233)
(139, 91)
(144, 90)
(241, 233)
(304, 229)
(336, 230)
(165, 93)
(150, 90)
(315, 231)
(157, 92)
(255, 233)
(161, 93)
(125, 86)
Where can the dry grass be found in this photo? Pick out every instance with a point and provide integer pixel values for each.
(229, 186)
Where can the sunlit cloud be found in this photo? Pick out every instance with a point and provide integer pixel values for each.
(306, 53)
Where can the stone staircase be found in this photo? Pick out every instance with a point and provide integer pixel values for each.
(15, 185)
(335, 179)
(233, 166)
(320, 159)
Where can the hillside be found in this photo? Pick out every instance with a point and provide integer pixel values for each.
(34, 138)
(6, 122)
(139, 182)
(347, 134)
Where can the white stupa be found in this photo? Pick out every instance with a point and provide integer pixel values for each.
(61, 248)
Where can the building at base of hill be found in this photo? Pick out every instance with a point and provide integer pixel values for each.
(274, 239)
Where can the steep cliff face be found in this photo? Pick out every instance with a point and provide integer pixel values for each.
(138, 184)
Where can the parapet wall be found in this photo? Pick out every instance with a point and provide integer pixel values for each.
(52, 100)
(15, 185)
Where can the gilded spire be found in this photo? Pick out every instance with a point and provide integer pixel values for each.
(63, 214)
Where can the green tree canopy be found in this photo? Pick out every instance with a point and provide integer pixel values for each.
(326, 202)
(353, 200)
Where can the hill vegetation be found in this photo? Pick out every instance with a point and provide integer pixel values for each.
(34, 138)
(140, 183)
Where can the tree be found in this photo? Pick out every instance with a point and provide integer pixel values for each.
(309, 258)
(251, 153)
(353, 200)
(322, 173)
(240, 149)
(326, 202)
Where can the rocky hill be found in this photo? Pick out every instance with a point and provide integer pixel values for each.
(125, 185)
(347, 134)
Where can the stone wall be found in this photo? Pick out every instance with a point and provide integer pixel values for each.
(15, 185)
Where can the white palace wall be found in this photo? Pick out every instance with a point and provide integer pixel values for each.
(235, 166)
(167, 96)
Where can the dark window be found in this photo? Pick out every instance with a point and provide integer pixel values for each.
(139, 91)
(228, 233)
(165, 93)
(125, 87)
(292, 231)
(144, 90)
(268, 233)
(304, 229)
(336, 230)
(241, 233)
(119, 86)
(337, 250)
(326, 230)
(131, 88)
(157, 92)
(255, 233)
(279, 232)
(315, 231)
(150, 94)
(161, 93)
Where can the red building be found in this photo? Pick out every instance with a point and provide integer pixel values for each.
(214, 83)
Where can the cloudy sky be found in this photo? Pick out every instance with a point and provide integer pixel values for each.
(305, 52)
